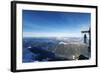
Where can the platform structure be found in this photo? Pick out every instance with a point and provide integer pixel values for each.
(85, 38)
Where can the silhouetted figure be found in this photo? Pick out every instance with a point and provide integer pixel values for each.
(85, 38)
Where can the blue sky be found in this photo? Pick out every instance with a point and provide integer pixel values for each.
(54, 24)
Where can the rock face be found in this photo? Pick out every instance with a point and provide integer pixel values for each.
(82, 57)
(71, 50)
